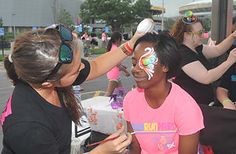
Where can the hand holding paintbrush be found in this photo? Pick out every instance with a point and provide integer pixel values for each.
(115, 143)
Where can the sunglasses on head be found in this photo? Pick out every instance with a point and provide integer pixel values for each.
(65, 55)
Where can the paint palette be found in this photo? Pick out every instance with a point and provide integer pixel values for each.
(145, 26)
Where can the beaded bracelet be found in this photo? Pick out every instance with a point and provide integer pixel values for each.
(126, 49)
(226, 101)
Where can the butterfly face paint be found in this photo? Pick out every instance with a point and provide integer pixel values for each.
(148, 61)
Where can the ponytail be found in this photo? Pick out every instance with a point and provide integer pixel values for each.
(115, 36)
(10, 69)
(109, 45)
(71, 103)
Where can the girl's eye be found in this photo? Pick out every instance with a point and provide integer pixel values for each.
(145, 62)
(133, 64)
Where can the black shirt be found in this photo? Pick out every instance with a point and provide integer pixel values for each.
(31, 125)
(202, 93)
(228, 81)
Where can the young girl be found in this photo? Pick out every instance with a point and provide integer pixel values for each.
(114, 74)
(164, 118)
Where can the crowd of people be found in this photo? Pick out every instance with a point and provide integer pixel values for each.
(172, 74)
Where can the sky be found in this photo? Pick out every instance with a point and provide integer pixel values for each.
(172, 6)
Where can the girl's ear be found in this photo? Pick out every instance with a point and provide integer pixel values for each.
(165, 69)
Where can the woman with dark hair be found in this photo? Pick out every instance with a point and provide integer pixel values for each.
(43, 66)
(196, 74)
(114, 74)
(165, 125)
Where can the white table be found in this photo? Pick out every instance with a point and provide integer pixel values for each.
(101, 116)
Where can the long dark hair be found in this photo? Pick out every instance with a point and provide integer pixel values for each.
(115, 36)
(34, 56)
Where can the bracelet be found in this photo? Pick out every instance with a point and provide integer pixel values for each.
(127, 46)
(126, 49)
(226, 101)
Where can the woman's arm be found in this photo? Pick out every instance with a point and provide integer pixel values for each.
(199, 73)
(105, 62)
(188, 144)
(222, 96)
(134, 147)
(221, 48)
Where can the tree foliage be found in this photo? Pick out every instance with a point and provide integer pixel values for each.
(206, 23)
(142, 10)
(65, 18)
(115, 13)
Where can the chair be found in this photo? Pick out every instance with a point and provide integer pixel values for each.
(220, 129)
(79, 135)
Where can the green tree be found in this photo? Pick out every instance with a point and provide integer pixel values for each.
(65, 18)
(206, 23)
(115, 13)
(142, 10)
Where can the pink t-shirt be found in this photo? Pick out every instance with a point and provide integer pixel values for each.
(114, 73)
(158, 130)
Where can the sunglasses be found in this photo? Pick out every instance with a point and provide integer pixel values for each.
(65, 51)
(198, 33)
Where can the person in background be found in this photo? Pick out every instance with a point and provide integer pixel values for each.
(104, 39)
(94, 41)
(43, 66)
(171, 119)
(85, 36)
(114, 74)
(196, 75)
(226, 90)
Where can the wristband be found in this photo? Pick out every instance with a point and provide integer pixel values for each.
(127, 46)
(126, 49)
(226, 101)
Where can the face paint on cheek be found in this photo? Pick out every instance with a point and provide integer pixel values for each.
(148, 61)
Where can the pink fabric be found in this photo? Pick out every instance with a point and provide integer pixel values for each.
(158, 129)
(7, 111)
(114, 73)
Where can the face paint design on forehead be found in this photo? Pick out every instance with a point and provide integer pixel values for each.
(148, 61)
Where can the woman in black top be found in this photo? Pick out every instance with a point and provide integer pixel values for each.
(196, 75)
(43, 66)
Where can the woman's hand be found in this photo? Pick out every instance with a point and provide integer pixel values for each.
(234, 34)
(229, 105)
(144, 26)
(115, 146)
(232, 56)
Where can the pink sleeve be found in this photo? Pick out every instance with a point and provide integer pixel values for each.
(189, 118)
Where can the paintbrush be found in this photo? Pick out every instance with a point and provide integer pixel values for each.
(103, 141)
